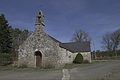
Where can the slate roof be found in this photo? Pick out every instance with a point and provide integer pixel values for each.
(74, 46)
(77, 46)
(54, 39)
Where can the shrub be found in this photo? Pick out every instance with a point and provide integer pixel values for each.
(78, 59)
(5, 59)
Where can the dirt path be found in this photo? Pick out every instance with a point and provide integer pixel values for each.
(103, 71)
(109, 70)
(30, 75)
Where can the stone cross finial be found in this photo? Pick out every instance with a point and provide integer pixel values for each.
(40, 18)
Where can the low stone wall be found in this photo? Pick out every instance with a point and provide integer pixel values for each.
(67, 57)
(64, 56)
(86, 56)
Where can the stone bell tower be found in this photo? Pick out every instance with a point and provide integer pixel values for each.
(39, 23)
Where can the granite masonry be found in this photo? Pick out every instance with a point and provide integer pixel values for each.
(42, 50)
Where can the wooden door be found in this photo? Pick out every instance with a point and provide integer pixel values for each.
(38, 58)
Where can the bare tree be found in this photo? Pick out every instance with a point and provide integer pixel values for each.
(106, 41)
(80, 36)
(111, 41)
(115, 38)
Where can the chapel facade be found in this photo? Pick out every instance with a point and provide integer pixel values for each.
(42, 50)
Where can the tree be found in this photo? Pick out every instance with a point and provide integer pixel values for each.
(24, 35)
(106, 41)
(18, 37)
(5, 36)
(111, 41)
(15, 38)
(80, 36)
(10, 39)
(115, 38)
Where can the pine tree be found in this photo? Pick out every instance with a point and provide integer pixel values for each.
(5, 36)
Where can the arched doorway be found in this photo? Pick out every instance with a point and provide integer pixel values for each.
(38, 56)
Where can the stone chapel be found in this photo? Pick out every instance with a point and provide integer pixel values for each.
(42, 50)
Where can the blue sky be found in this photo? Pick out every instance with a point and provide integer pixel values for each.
(64, 17)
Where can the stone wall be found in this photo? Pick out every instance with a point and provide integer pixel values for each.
(66, 57)
(26, 52)
(71, 56)
(86, 56)
(43, 43)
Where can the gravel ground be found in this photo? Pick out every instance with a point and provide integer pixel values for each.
(31, 75)
(109, 70)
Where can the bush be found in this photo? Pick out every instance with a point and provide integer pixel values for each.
(5, 59)
(78, 59)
